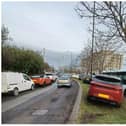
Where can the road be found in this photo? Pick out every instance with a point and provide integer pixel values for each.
(48, 105)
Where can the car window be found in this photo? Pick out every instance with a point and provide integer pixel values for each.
(37, 76)
(123, 79)
(109, 80)
(49, 74)
(26, 77)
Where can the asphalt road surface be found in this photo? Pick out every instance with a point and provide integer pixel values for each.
(49, 105)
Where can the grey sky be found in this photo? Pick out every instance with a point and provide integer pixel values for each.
(52, 25)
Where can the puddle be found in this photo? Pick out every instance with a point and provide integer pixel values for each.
(40, 112)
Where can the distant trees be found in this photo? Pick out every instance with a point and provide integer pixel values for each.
(20, 59)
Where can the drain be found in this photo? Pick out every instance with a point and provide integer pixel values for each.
(40, 112)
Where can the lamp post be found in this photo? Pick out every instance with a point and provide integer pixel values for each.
(71, 62)
(92, 40)
(44, 58)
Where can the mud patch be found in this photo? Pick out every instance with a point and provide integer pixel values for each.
(89, 117)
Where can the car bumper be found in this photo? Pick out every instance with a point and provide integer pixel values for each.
(104, 100)
(65, 84)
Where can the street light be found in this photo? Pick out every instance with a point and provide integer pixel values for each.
(44, 58)
(92, 39)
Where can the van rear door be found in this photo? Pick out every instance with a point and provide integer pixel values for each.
(4, 83)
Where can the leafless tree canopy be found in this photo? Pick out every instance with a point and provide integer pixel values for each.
(110, 18)
(102, 50)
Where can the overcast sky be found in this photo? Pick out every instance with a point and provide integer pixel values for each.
(51, 25)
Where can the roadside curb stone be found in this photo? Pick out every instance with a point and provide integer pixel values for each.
(76, 107)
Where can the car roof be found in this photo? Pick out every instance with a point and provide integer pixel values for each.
(37, 75)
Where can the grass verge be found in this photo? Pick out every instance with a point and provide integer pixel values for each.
(99, 113)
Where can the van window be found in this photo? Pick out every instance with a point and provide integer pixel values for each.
(26, 77)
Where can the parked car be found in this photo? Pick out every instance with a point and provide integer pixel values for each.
(81, 76)
(87, 79)
(64, 81)
(67, 75)
(41, 80)
(13, 82)
(106, 88)
(52, 76)
(75, 76)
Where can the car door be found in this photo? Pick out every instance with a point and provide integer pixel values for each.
(27, 82)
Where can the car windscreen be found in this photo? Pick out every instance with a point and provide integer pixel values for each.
(107, 80)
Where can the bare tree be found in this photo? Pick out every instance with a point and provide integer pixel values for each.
(4, 34)
(110, 18)
(102, 50)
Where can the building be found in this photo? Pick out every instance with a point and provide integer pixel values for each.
(103, 61)
(124, 63)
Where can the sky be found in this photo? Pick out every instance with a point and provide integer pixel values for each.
(50, 25)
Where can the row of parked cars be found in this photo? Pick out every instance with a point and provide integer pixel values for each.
(14, 82)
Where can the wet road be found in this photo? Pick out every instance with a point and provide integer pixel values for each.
(49, 105)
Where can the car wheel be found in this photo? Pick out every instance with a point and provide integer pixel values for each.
(58, 86)
(125, 93)
(32, 87)
(88, 98)
(43, 84)
(118, 105)
(15, 92)
(70, 86)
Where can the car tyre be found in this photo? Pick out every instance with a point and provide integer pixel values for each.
(88, 98)
(15, 92)
(58, 86)
(118, 105)
(125, 93)
(70, 86)
(32, 87)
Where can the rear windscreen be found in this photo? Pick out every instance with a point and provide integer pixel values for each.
(109, 80)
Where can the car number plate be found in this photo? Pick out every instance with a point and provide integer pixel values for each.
(103, 96)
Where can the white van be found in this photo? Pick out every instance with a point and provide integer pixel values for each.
(16, 82)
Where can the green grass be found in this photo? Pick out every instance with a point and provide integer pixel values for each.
(100, 113)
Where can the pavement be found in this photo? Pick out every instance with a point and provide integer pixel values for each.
(49, 105)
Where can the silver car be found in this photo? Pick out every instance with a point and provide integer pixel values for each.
(64, 81)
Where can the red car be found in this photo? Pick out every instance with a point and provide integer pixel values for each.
(41, 80)
(106, 88)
